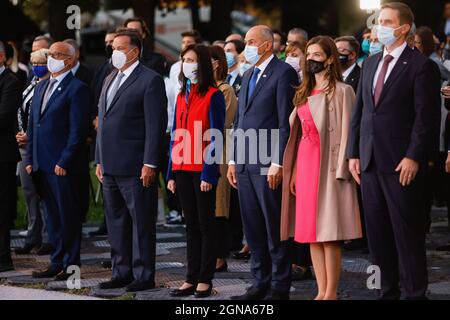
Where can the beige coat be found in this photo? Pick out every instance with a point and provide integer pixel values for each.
(338, 216)
(223, 187)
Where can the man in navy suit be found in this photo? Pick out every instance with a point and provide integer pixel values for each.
(265, 103)
(132, 124)
(392, 138)
(59, 123)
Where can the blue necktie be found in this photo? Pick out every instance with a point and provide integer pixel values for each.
(252, 84)
(229, 78)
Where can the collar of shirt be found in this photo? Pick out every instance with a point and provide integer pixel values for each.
(348, 71)
(396, 53)
(129, 70)
(263, 66)
(2, 68)
(61, 77)
(234, 75)
(75, 68)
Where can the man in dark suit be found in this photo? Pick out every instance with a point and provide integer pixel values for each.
(132, 123)
(10, 98)
(391, 139)
(57, 131)
(265, 103)
(233, 49)
(348, 48)
(148, 57)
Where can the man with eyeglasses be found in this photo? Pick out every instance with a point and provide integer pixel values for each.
(58, 128)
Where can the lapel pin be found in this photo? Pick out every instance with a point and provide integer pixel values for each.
(59, 89)
(264, 75)
(405, 62)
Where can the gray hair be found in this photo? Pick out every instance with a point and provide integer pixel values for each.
(73, 43)
(267, 33)
(300, 32)
(2, 47)
(44, 38)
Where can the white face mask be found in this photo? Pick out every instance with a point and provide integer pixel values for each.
(386, 35)
(55, 66)
(190, 71)
(294, 63)
(118, 59)
(251, 54)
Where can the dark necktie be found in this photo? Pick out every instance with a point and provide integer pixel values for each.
(252, 84)
(229, 78)
(381, 79)
(48, 94)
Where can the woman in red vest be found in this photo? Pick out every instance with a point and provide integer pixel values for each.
(195, 155)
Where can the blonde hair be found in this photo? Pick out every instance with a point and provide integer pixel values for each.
(39, 55)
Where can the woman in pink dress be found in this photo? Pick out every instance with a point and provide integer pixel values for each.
(320, 205)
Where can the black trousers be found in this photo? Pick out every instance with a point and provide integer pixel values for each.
(235, 221)
(396, 224)
(199, 213)
(300, 254)
(223, 236)
(8, 208)
(173, 203)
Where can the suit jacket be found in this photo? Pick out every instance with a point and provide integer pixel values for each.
(84, 74)
(58, 135)
(97, 83)
(407, 119)
(447, 125)
(153, 60)
(353, 78)
(10, 100)
(269, 108)
(237, 84)
(131, 132)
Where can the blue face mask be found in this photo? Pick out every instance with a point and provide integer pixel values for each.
(40, 71)
(386, 35)
(251, 54)
(375, 47)
(231, 59)
(243, 67)
(366, 46)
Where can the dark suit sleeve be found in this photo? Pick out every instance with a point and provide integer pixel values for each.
(355, 125)
(80, 101)
(285, 95)
(210, 172)
(425, 132)
(155, 113)
(170, 175)
(11, 97)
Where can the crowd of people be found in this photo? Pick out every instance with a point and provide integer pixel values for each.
(362, 152)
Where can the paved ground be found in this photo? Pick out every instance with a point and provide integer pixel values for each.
(170, 267)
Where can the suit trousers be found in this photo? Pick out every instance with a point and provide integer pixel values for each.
(8, 201)
(199, 213)
(131, 212)
(261, 214)
(63, 214)
(395, 224)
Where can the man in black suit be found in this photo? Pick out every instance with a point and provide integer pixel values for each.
(348, 48)
(132, 123)
(391, 139)
(10, 98)
(149, 58)
(233, 49)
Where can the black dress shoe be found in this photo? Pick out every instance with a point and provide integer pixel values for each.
(204, 293)
(252, 293)
(183, 292)
(62, 276)
(241, 255)
(26, 249)
(6, 266)
(300, 274)
(46, 273)
(44, 249)
(222, 268)
(136, 286)
(115, 283)
(275, 295)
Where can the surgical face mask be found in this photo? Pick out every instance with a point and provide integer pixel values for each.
(40, 71)
(386, 35)
(251, 54)
(55, 66)
(366, 46)
(294, 63)
(375, 47)
(118, 59)
(243, 67)
(314, 67)
(231, 59)
(190, 71)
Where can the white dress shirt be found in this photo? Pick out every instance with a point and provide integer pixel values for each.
(75, 68)
(348, 71)
(234, 76)
(2, 68)
(396, 55)
(59, 79)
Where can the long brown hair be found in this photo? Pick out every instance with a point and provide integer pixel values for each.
(333, 74)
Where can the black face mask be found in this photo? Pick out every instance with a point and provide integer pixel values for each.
(313, 66)
(344, 59)
(108, 51)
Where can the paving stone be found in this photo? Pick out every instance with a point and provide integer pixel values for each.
(10, 274)
(355, 265)
(168, 265)
(17, 243)
(111, 293)
(439, 288)
(239, 267)
(19, 280)
(85, 283)
(101, 244)
(171, 245)
(164, 236)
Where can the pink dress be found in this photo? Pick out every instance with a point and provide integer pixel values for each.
(307, 179)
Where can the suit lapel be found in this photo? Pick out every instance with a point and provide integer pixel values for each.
(262, 81)
(57, 92)
(131, 78)
(372, 69)
(109, 79)
(244, 87)
(399, 67)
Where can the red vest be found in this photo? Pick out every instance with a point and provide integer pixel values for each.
(192, 120)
